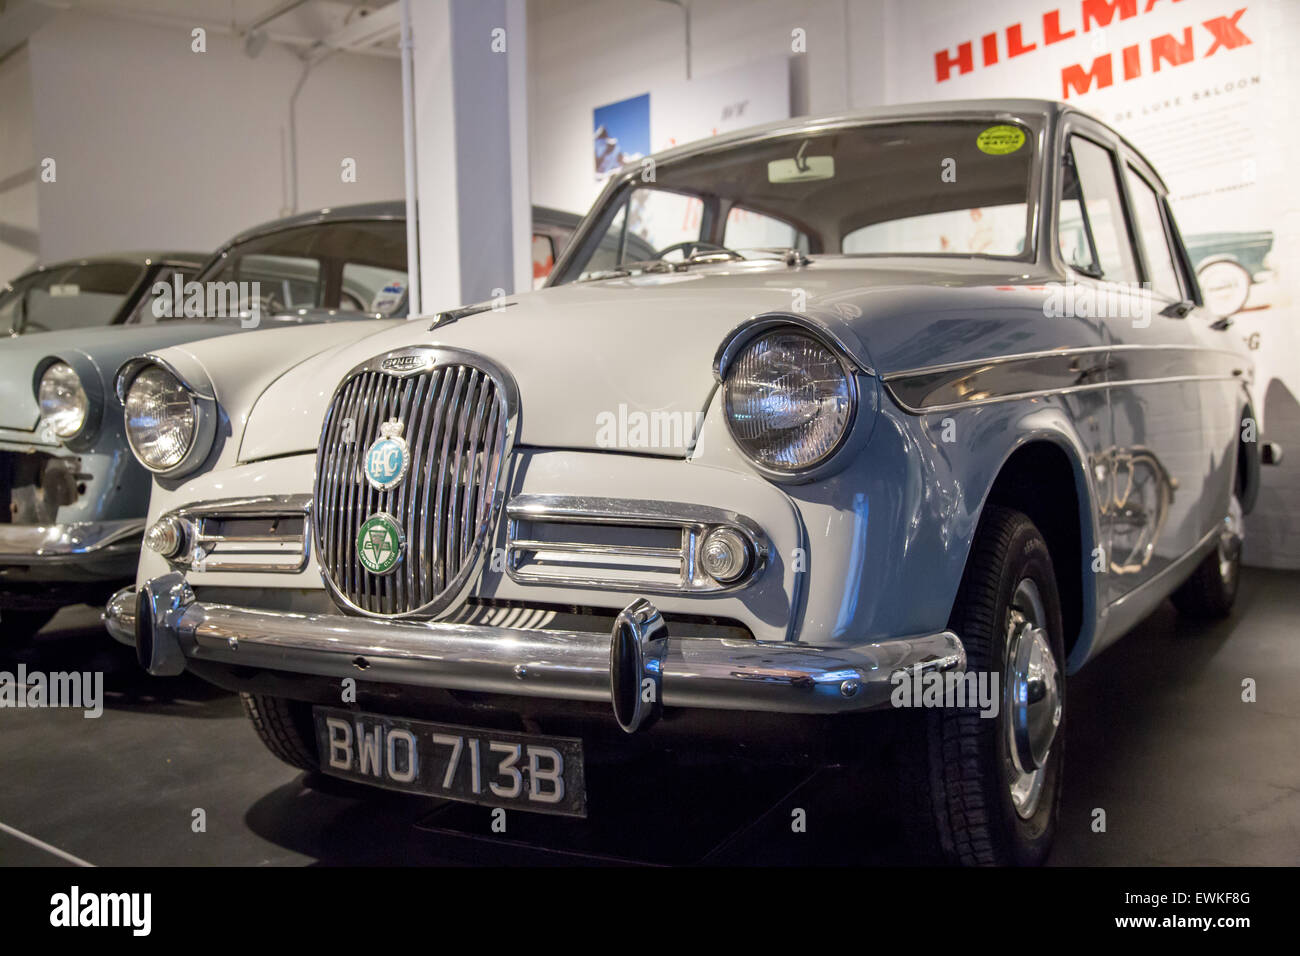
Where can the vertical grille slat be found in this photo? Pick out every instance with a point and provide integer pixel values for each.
(455, 417)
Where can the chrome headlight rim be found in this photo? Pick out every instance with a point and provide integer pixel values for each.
(88, 381)
(741, 338)
(204, 410)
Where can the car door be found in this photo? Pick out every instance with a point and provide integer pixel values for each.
(1149, 478)
(1206, 356)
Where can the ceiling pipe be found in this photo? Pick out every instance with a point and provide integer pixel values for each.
(275, 14)
(686, 11)
(415, 303)
(187, 23)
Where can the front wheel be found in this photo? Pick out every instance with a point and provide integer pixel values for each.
(984, 788)
(285, 727)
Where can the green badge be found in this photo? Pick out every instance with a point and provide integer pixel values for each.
(1000, 140)
(380, 543)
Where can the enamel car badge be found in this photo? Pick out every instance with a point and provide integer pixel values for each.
(388, 458)
(380, 543)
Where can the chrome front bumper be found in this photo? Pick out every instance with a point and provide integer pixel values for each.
(61, 543)
(168, 627)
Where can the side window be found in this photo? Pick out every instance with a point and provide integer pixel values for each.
(372, 289)
(1155, 241)
(1091, 229)
(649, 221)
(664, 219)
(543, 258)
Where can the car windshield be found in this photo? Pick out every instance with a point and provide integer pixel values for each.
(67, 297)
(352, 266)
(950, 187)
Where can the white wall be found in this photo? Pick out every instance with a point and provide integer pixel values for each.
(17, 167)
(587, 53)
(159, 146)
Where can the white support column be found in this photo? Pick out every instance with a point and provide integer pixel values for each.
(470, 90)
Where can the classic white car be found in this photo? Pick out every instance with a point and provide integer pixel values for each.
(886, 412)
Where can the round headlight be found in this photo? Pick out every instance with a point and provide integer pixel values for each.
(789, 401)
(62, 399)
(161, 419)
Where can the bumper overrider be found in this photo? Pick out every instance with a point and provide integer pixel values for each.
(637, 667)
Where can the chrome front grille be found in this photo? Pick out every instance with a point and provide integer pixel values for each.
(457, 413)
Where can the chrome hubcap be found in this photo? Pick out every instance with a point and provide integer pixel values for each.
(1230, 535)
(1032, 699)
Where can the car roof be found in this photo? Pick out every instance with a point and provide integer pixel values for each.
(137, 257)
(388, 209)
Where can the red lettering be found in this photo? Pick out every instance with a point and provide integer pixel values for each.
(1052, 28)
(1103, 11)
(945, 61)
(1168, 49)
(1016, 45)
(1074, 76)
(990, 41)
(1132, 62)
(1226, 32)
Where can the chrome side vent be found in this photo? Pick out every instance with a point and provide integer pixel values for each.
(261, 534)
(624, 545)
(457, 414)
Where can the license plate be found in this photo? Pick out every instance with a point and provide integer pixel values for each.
(497, 768)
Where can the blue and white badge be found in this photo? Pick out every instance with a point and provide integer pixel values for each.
(388, 458)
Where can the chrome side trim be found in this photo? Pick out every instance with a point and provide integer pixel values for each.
(957, 385)
(694, 522)
(26, 544)
(1041, 393)
(712, 673)
(1047, 353)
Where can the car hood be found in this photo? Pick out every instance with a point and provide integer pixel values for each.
(618, 350)
(102, 349)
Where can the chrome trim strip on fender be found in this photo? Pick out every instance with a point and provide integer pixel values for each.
(1062, 371)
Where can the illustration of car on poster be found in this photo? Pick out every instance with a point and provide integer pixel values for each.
(948, 438)
(1227, 264)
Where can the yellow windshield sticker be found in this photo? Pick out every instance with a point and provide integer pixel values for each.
(1000, 140)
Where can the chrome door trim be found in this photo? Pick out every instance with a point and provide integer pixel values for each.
(931, 389)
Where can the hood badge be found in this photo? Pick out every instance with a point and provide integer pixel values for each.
(388, 457)
(380, 543)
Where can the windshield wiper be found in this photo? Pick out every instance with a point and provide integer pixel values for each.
(636, 267)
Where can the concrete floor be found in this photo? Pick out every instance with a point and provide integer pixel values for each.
(1159, 738)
